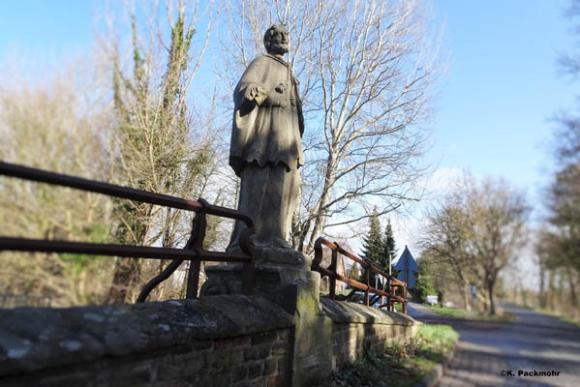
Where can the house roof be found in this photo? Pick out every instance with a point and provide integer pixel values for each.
(406, 261)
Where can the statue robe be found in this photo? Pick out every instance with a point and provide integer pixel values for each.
(271, 132)
(266, 150)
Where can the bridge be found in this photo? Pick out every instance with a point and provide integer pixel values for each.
(262, 324)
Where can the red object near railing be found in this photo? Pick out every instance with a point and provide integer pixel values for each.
(390, 287)
(193, 251)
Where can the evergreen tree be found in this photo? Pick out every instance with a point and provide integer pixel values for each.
(373, 244)
(388, 248)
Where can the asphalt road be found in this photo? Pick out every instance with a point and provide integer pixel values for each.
(534, 350)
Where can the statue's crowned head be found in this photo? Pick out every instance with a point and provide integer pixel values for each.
(276, 40)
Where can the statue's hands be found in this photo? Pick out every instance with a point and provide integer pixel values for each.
(281, 88)
(256, 93)
(278, 96)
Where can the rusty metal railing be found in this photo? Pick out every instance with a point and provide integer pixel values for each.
(393, 290)
(193, 250)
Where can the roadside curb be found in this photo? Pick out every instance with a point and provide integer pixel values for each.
(434, 376)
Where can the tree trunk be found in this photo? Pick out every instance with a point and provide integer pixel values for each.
(542, 295)
(552, 291)
(466, 303)
(319, 219)
(491, 300)
(127, 272)
(572, 285)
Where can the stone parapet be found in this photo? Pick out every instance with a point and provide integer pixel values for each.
(215, 341)
(358, 328)
(290, 339)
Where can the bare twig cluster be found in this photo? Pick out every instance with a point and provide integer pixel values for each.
(365, 75)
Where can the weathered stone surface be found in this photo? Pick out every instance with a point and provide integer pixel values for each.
(279, 255)
(231, 339)
(276, 282)
(174, 366)
(350, 312)
(266, 146)
(358, 328)
(326, 332)
(35, 338)
(255, 358)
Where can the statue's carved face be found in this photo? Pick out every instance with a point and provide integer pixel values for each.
(279, 42)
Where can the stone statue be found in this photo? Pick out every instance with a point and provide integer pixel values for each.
(266, 149)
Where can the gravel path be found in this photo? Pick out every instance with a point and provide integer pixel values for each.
(508, 353)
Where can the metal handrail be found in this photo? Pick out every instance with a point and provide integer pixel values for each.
(193, 251)
(331, 271)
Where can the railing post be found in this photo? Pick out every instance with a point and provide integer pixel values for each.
(368, 283)
(193, 251)
(332, 279)
(405, 299)
(383, 289)
(197, 236)
(390, 290)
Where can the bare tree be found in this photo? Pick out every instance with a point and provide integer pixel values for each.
(446, 242)
(156, 145)
(478, 231)
(365, 73)
(498, 216)
(149, 139)
(60, 125)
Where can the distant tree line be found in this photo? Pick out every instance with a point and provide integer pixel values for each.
(558, 242)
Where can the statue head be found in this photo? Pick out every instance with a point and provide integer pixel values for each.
(276, 40)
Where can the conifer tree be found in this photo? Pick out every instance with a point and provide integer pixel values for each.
(373, 244)
(389, 248)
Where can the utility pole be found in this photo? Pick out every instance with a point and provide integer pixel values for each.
(389, 282)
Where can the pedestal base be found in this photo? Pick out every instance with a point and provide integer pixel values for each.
(278, 282)
(296, 289)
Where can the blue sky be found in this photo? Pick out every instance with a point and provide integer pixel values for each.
(45, 27)
(493, 105)
(502, 87)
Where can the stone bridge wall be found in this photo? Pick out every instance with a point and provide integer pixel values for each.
(229, 340)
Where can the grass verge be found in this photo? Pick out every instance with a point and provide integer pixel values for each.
(448, 312)
(399, 366)
(463, 314)
(572, 317)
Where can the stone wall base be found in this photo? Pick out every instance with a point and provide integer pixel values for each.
(231, 340)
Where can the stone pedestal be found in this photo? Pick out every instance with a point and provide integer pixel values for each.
(284, 277)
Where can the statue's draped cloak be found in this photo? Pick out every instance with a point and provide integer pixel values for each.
(270, 133)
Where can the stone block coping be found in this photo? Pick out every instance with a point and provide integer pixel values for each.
(36, 338)
(349, 312)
